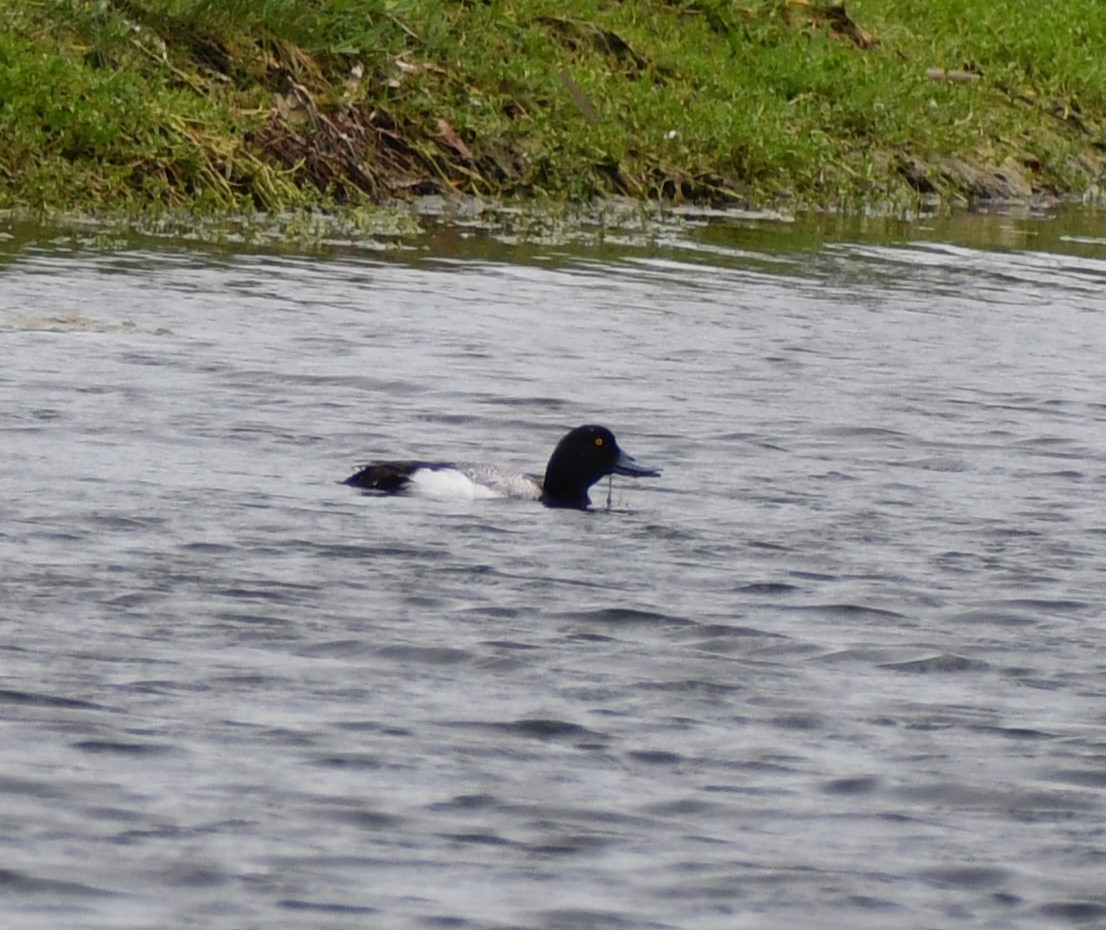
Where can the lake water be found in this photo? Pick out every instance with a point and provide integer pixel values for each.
(842, 665)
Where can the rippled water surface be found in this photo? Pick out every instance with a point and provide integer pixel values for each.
(843, 665)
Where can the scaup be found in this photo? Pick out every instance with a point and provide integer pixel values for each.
(582, 457)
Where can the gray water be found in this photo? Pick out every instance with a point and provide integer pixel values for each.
(843, 665)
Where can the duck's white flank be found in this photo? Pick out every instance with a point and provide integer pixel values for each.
(472, 482)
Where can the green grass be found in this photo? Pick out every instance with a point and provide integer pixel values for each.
(124, 104)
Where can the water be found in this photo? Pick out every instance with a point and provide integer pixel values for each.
(844, 664)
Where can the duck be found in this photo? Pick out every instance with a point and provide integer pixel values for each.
(582, 457)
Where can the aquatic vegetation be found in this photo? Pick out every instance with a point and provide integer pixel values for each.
(280, 104)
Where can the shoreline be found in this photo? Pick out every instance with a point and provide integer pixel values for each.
(418, 229)
(794, 105)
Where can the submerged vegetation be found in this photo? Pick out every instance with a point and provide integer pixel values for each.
(276, 104)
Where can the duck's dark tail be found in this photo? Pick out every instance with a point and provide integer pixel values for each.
(388, 477)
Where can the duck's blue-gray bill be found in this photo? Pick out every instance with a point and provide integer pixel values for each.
(628, 465)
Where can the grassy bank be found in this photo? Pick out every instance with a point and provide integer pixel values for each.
(140, 104)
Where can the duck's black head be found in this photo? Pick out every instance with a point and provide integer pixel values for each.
(581, 458)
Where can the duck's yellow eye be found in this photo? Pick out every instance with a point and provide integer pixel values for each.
(599, 440)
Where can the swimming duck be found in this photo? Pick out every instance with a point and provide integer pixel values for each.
(581, 458)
